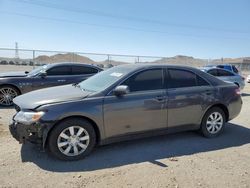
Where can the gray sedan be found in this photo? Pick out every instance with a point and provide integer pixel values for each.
(226, 76)
(124, 103)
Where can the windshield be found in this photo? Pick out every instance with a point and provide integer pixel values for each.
(37, 70)
(104, 79)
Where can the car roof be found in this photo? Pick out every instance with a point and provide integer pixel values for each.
(154, 65)
(140, 66)
(70, 64)
(225, 65)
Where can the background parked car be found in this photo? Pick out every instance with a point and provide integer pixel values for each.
(229, 67)
(13, 84)
(248, 78)
(3, 62)
(226, 75)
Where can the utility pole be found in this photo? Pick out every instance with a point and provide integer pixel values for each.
(16, 51)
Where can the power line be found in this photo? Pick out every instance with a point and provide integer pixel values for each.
(117, 27)
(129, 18)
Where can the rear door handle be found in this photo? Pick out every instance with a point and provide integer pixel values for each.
(61, 80)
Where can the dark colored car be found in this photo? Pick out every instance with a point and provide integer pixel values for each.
(226, 76)
(13, 84)
(124, 102)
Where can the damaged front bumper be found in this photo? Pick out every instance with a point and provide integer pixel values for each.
(22, 133)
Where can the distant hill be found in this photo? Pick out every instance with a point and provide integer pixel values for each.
(182, 60)
(106, 62)
(68, 57)
(231, 60)
(71, 57)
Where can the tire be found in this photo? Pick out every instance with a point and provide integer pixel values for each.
(58, 143)
(210, 127)
(7, 94)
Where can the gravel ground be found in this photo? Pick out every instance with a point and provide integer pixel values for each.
(177, 160)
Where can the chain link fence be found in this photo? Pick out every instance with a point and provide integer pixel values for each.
(26, 59)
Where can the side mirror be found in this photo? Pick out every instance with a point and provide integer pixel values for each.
(43, 74)
(26, 72)
(121, 90)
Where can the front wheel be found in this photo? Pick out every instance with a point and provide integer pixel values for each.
(72, 139)
(213, 122)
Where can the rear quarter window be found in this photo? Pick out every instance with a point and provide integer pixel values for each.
(235, 69)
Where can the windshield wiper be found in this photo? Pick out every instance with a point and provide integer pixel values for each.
(76, 85)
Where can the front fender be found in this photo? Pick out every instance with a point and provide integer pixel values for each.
(90, 108)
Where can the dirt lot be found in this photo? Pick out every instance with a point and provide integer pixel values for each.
(177, 160)
(5, 68)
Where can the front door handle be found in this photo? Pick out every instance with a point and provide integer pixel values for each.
(160, 98)
(61, 80)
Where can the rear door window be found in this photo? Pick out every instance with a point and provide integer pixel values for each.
(224, 73)
(79, 70)
(60, 70)
(213, 72)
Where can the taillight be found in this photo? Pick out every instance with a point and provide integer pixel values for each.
(237, 91)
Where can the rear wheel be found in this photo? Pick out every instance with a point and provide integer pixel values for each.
(213, 122)
(7, 94)
(72, 139)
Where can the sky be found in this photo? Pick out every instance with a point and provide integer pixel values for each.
(198, 28)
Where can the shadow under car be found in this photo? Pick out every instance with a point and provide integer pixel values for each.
(142, 150)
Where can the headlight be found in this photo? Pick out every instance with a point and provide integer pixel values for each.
(28, 117)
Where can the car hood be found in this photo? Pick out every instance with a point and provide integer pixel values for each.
(57, 94)
(12, 74)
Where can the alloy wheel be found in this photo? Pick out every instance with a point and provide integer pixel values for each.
(7, 95)
(214, 122)
(73, 141)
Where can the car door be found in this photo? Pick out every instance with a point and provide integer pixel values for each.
(188, 95)
(82, 72)
(142, 109)
(55, 76)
